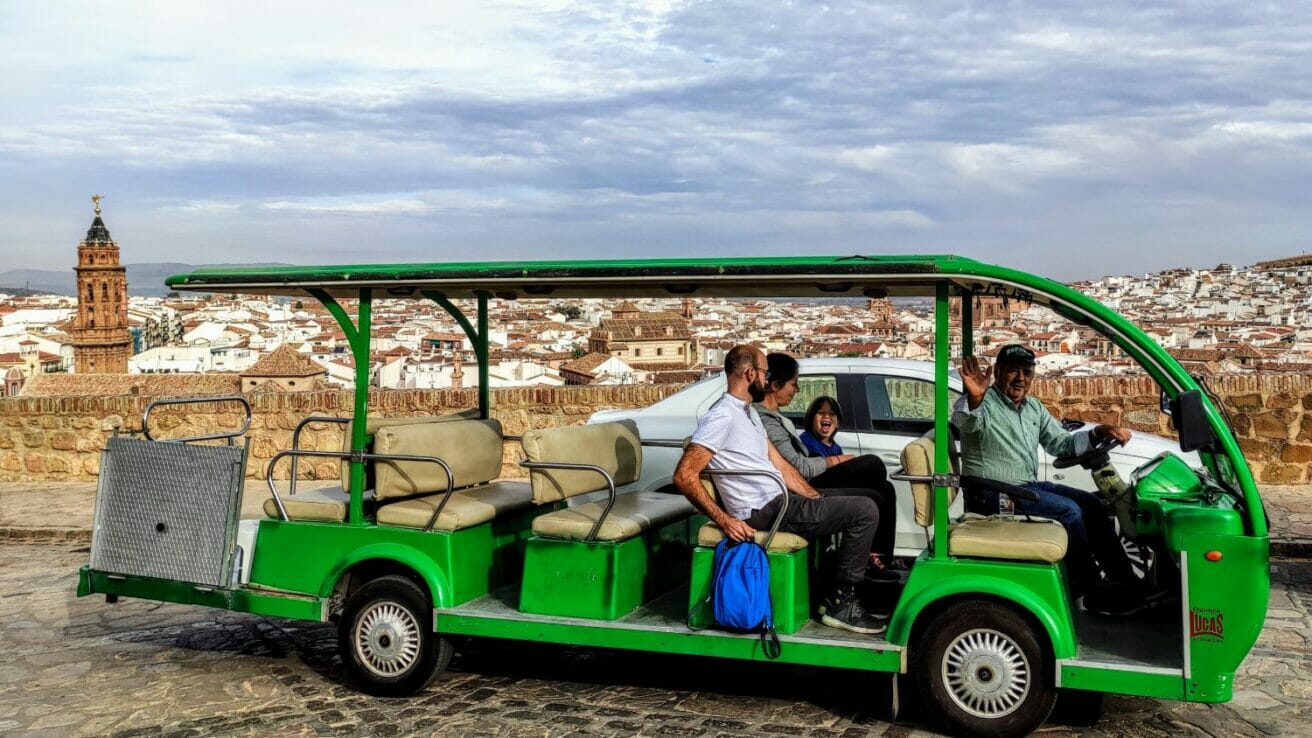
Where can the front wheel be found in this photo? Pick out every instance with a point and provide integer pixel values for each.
(386, 638)
(983, 669)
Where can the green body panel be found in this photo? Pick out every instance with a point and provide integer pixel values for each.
(1227, 602)
(669, 640)
(242, 599)
(790, 589)
(1035, 587)
(1120, 681)
(309, 557)
(603, 580)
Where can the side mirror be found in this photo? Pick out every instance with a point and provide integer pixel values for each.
(1190, 421)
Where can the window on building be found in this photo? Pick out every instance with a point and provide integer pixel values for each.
(660, 351)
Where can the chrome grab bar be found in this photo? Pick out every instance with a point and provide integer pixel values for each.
(610, 485)
(778, 519)
(663, 443)
(145, 418)
(296, 440)
(282, 511)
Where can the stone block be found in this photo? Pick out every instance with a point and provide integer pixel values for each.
(63, 440)
(11, 462)
(1305, 429)
(91, 466)
(1248, 400)
(34, 438)
(57, 464)
(91, 445)
(1307, 402)
(1243, 424)
(263, 447)
(6, 439)
(82, 423)
(1277, 473)
(111, 422)
(34, 462)
(1281, 400)
(325, 470)
(1256, 449)
(1296, 453)
(1269, 425)
(14, 422)
(1147, 419)
(49, 422)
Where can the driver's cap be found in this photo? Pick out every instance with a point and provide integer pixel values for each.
(1016, 353)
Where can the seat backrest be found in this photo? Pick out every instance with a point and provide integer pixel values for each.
(472, 448)
(374, 424)
(615, 447)
(918, 460)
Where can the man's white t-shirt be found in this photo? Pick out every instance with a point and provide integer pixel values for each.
(732, 430)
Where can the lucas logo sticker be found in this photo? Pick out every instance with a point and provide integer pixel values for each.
(1206, 625)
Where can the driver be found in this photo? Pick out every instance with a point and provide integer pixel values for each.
(1001, 429)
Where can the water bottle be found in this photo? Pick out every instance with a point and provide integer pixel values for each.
(1006, 506)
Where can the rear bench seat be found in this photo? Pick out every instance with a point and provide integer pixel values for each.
(574, 567)
(472, 448)
(449, 437)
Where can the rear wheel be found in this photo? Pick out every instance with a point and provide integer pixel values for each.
(386, 638)
(981, 666)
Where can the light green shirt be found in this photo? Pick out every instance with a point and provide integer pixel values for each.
(1000, 441)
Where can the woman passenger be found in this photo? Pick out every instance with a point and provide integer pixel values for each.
(831, 471)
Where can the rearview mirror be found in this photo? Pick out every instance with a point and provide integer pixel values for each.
(1190, 421)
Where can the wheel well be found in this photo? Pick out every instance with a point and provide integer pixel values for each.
(939, 606)
(368, 570)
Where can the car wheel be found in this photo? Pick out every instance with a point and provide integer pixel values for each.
(981, 666)
(386, 638)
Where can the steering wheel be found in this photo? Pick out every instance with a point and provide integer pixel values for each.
(1091, 459)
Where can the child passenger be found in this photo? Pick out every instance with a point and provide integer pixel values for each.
(821, 425)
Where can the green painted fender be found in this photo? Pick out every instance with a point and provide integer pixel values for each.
(1053, 616)
(417, 560)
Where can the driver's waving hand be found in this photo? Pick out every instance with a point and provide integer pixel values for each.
(1001, 429)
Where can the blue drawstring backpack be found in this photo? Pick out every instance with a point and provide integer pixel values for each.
(740, 591)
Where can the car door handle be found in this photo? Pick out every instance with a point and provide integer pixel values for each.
(1058, 476)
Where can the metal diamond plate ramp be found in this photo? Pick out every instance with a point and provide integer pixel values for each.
(167, 510)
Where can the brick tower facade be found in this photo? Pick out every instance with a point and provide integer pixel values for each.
(101, 343)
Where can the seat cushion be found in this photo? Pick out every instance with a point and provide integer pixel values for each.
(323, 503)
(632, 514)
(615, 447)
(710, 534)
(1018, 540)
(472, 448)
(469, 507)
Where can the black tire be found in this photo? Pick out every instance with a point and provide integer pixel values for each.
(386, 638)
(1005, 687)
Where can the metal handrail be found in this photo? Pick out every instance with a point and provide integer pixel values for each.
(282, 511)
(778, 519)
(663, 443)
(296, 441)
(610, 485)
(145, 418)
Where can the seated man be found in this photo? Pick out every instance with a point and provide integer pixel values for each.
(730, 436)
(1001, 429)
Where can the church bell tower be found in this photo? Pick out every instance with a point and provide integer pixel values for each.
(101, 343)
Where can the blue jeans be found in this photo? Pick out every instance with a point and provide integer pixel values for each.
(1093, 541)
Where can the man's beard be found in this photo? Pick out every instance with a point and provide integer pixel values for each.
(756, 391)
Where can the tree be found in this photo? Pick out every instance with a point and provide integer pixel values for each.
(578, 353)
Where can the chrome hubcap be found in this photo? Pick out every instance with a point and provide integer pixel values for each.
(986, 673)
(387, 639)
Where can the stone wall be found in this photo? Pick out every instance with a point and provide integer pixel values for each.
(60, 438)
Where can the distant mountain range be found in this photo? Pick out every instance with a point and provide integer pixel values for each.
(144, 280)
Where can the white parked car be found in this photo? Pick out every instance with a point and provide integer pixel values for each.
(887, 403)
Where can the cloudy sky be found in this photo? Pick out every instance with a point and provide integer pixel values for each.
(1073, 139)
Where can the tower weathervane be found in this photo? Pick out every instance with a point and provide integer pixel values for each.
(96, 199)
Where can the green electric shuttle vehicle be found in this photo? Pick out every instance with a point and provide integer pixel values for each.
(425, 540)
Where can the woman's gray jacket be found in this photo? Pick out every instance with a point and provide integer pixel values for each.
(780, 431)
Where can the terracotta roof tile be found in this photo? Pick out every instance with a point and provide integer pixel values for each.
(284, 361)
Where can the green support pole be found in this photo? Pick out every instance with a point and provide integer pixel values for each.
(480, 348)
(357, 336)
(477, 339)
(942, 344)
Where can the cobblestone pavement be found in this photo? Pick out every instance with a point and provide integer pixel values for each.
(83, 667)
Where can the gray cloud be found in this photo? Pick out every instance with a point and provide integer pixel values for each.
(1064, 138)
